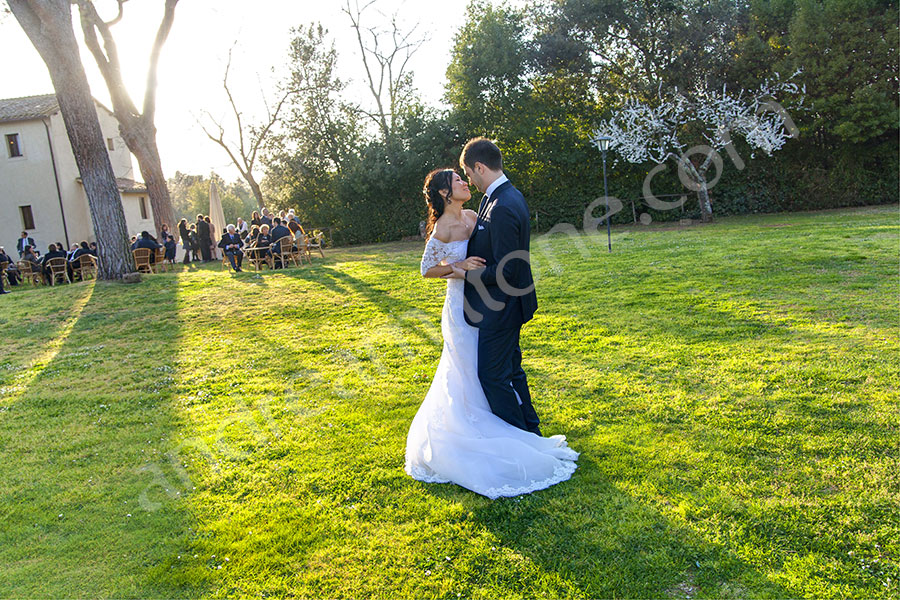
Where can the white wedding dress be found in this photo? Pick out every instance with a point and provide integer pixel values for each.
(454, 436)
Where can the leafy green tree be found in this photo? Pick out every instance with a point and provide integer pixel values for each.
(487, 75)
(322, 132)
(190, 197)
(848, 50)
(640, 47)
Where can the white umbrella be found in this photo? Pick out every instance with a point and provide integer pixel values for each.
(216, 214)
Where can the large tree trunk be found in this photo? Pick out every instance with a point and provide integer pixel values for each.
(48, 24)
(694, 178)
(705, 205)
(140, 137)
(137, 128)
(257, 193)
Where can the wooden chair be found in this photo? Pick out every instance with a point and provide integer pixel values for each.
(4, 278)
(142, 260)
(257, 256)
(226, 264)
(59, 268)
(160, 263)
(315, 243)
(85, 267)
(300, 240)
(28, 273)
(286, 250)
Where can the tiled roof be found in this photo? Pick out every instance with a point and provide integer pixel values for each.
(125, 185)
(130, 185)
(30, 107)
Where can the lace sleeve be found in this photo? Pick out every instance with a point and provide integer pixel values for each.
(435, 252)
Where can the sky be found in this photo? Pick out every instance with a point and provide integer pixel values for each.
(194, 58)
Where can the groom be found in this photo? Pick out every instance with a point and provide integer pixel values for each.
(500, 298)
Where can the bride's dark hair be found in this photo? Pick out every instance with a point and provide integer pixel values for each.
(438, 187)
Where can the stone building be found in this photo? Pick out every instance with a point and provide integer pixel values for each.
(40, 186)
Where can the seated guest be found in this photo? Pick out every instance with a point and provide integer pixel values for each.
(266, 218)
(252, 237)
(264, 240)
(255, 219)
(241, 227)
(71, 253)
(278, 232)
(12, 273)
(92, 248)
(231, 244)
(81, 250)
(30, 257)
(146, 241)
(53, 252)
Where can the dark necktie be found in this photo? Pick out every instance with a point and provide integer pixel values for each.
(482, 205)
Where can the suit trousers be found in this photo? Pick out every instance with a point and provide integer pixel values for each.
(205, 250)
(502, 378)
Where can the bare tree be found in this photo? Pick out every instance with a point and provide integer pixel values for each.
(385, 58)
(663, 131)
(48, 24)
(137, 127)
(249, 143)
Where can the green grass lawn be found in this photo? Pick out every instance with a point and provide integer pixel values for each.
(732, 389)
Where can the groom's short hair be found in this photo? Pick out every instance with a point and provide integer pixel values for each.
(481, 150)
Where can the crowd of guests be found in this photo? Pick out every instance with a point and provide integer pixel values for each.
(39, 263)
(198, 240)
(263, 230)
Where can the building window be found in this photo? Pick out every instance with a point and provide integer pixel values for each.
(109, 144)
(12, 145)
(27, 217)
(143, 208)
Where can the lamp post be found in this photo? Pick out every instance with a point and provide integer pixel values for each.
(603, 143)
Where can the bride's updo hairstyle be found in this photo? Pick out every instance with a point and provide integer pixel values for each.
(438, 187)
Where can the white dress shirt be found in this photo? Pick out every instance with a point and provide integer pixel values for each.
(497, 183)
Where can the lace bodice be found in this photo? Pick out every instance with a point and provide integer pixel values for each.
(437, 251)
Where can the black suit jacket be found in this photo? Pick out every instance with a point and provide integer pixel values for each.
(145, 243)
(79, 253)
(228, 240)
(279, 232)
(503, 227)
(55, 254)
(203, 230)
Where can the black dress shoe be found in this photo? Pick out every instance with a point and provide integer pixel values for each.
(3, 292)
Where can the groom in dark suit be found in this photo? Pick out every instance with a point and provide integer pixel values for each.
(500, 298)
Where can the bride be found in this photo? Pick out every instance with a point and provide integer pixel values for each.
(454, 436)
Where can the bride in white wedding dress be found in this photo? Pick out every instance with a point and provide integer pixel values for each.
(454, 436)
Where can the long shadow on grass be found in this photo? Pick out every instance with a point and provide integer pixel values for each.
(35, 324)
(81, 515)
(405, 315)
(607, 544)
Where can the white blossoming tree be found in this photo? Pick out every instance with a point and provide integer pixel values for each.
(692, 131)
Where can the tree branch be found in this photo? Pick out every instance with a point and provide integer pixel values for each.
(161, 35)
